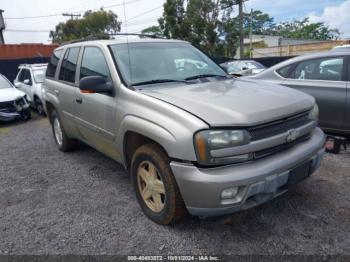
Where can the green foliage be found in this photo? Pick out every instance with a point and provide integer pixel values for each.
(303, 29)
(210, 25)
(98, 24)
(153, 30)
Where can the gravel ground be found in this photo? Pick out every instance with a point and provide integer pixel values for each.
(82, 203)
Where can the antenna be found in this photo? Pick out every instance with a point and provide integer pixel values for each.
(127, 40)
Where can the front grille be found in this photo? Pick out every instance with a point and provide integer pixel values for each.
(8, 107)
(279, 148)
(278, 127)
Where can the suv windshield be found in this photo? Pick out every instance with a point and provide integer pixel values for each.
(4, 83)
(168, 62)
(39, 75)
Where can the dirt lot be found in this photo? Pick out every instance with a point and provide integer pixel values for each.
(82, 203)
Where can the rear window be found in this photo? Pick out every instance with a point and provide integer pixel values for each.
(52, 66)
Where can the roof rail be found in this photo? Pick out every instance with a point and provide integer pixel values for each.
(93, 38)
(140, 35)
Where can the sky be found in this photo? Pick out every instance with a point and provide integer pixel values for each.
(140, 14)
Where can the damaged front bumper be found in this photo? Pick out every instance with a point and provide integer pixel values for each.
(11, 110)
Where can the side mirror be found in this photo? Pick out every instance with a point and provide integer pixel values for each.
(95, 84)
(27, 82)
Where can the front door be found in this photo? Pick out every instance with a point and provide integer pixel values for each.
(96, 113)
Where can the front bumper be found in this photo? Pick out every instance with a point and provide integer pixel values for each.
(260, 180)
(9, 116)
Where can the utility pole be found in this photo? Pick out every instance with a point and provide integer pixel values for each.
(251, 34)
(71, 15)
(2, 27)
(241, 34)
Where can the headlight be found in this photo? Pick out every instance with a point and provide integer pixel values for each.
(314, 113)
(208, 140)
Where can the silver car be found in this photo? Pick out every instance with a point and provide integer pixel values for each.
(193, 139)
(326, 77)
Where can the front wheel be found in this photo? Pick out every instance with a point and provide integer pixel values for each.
(39, 107)
(155, 186)
(63, 142)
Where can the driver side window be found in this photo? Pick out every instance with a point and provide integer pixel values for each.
(328, 69)
(25, 75)
(94, 64)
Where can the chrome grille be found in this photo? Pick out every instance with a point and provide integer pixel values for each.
(278, 127)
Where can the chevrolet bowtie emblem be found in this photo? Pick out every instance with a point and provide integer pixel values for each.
(292, 135)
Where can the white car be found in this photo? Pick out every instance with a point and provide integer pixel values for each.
(29, 80)
(13, 103)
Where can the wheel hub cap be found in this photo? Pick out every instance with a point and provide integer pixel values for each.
(58, 131)
(151, 187)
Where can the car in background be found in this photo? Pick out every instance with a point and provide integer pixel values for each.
(13, 103)
(29, 80)
(242, 67)
(326, 77)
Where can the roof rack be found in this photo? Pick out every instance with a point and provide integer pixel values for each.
(93, 38)
(140, 35)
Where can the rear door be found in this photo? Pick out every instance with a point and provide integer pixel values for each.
(325, 79)
(96, 113)
(66, 87)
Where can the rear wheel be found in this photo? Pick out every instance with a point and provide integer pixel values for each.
(63, 142)
(155, 186)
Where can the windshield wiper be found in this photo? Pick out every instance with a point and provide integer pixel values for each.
(203, 76)
(156, 81)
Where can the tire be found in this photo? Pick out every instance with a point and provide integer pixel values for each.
(26, 114)
(39, 107)
(64, 143)
(173, 208)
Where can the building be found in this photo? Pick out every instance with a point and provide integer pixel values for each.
(271, 46)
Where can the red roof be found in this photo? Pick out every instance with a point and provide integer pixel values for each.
(26, 51)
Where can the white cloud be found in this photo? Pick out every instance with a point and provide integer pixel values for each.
(335, 17)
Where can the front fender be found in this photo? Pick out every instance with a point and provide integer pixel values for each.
(179, 146)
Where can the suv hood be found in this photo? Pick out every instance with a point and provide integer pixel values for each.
(10, 94)
(233, 102)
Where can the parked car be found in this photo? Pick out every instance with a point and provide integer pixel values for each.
(29, 80)
(192, 138)
(13, 103)
(326, 77)
(242, 67)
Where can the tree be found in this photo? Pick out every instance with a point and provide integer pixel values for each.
(153, 30)
(303, 29)
(100, 24)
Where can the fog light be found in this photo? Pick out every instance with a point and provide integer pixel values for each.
(229, 193)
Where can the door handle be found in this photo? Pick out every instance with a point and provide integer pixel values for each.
(57, 92)
(79, 100)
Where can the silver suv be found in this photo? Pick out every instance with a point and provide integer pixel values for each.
(193, 139)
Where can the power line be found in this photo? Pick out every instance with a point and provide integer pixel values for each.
(26, 31)
(76, 12)
(144, 13)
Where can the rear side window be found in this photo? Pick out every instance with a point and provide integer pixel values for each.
(69, 65)
(284, 71)
(94, 64)
(52, 66)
